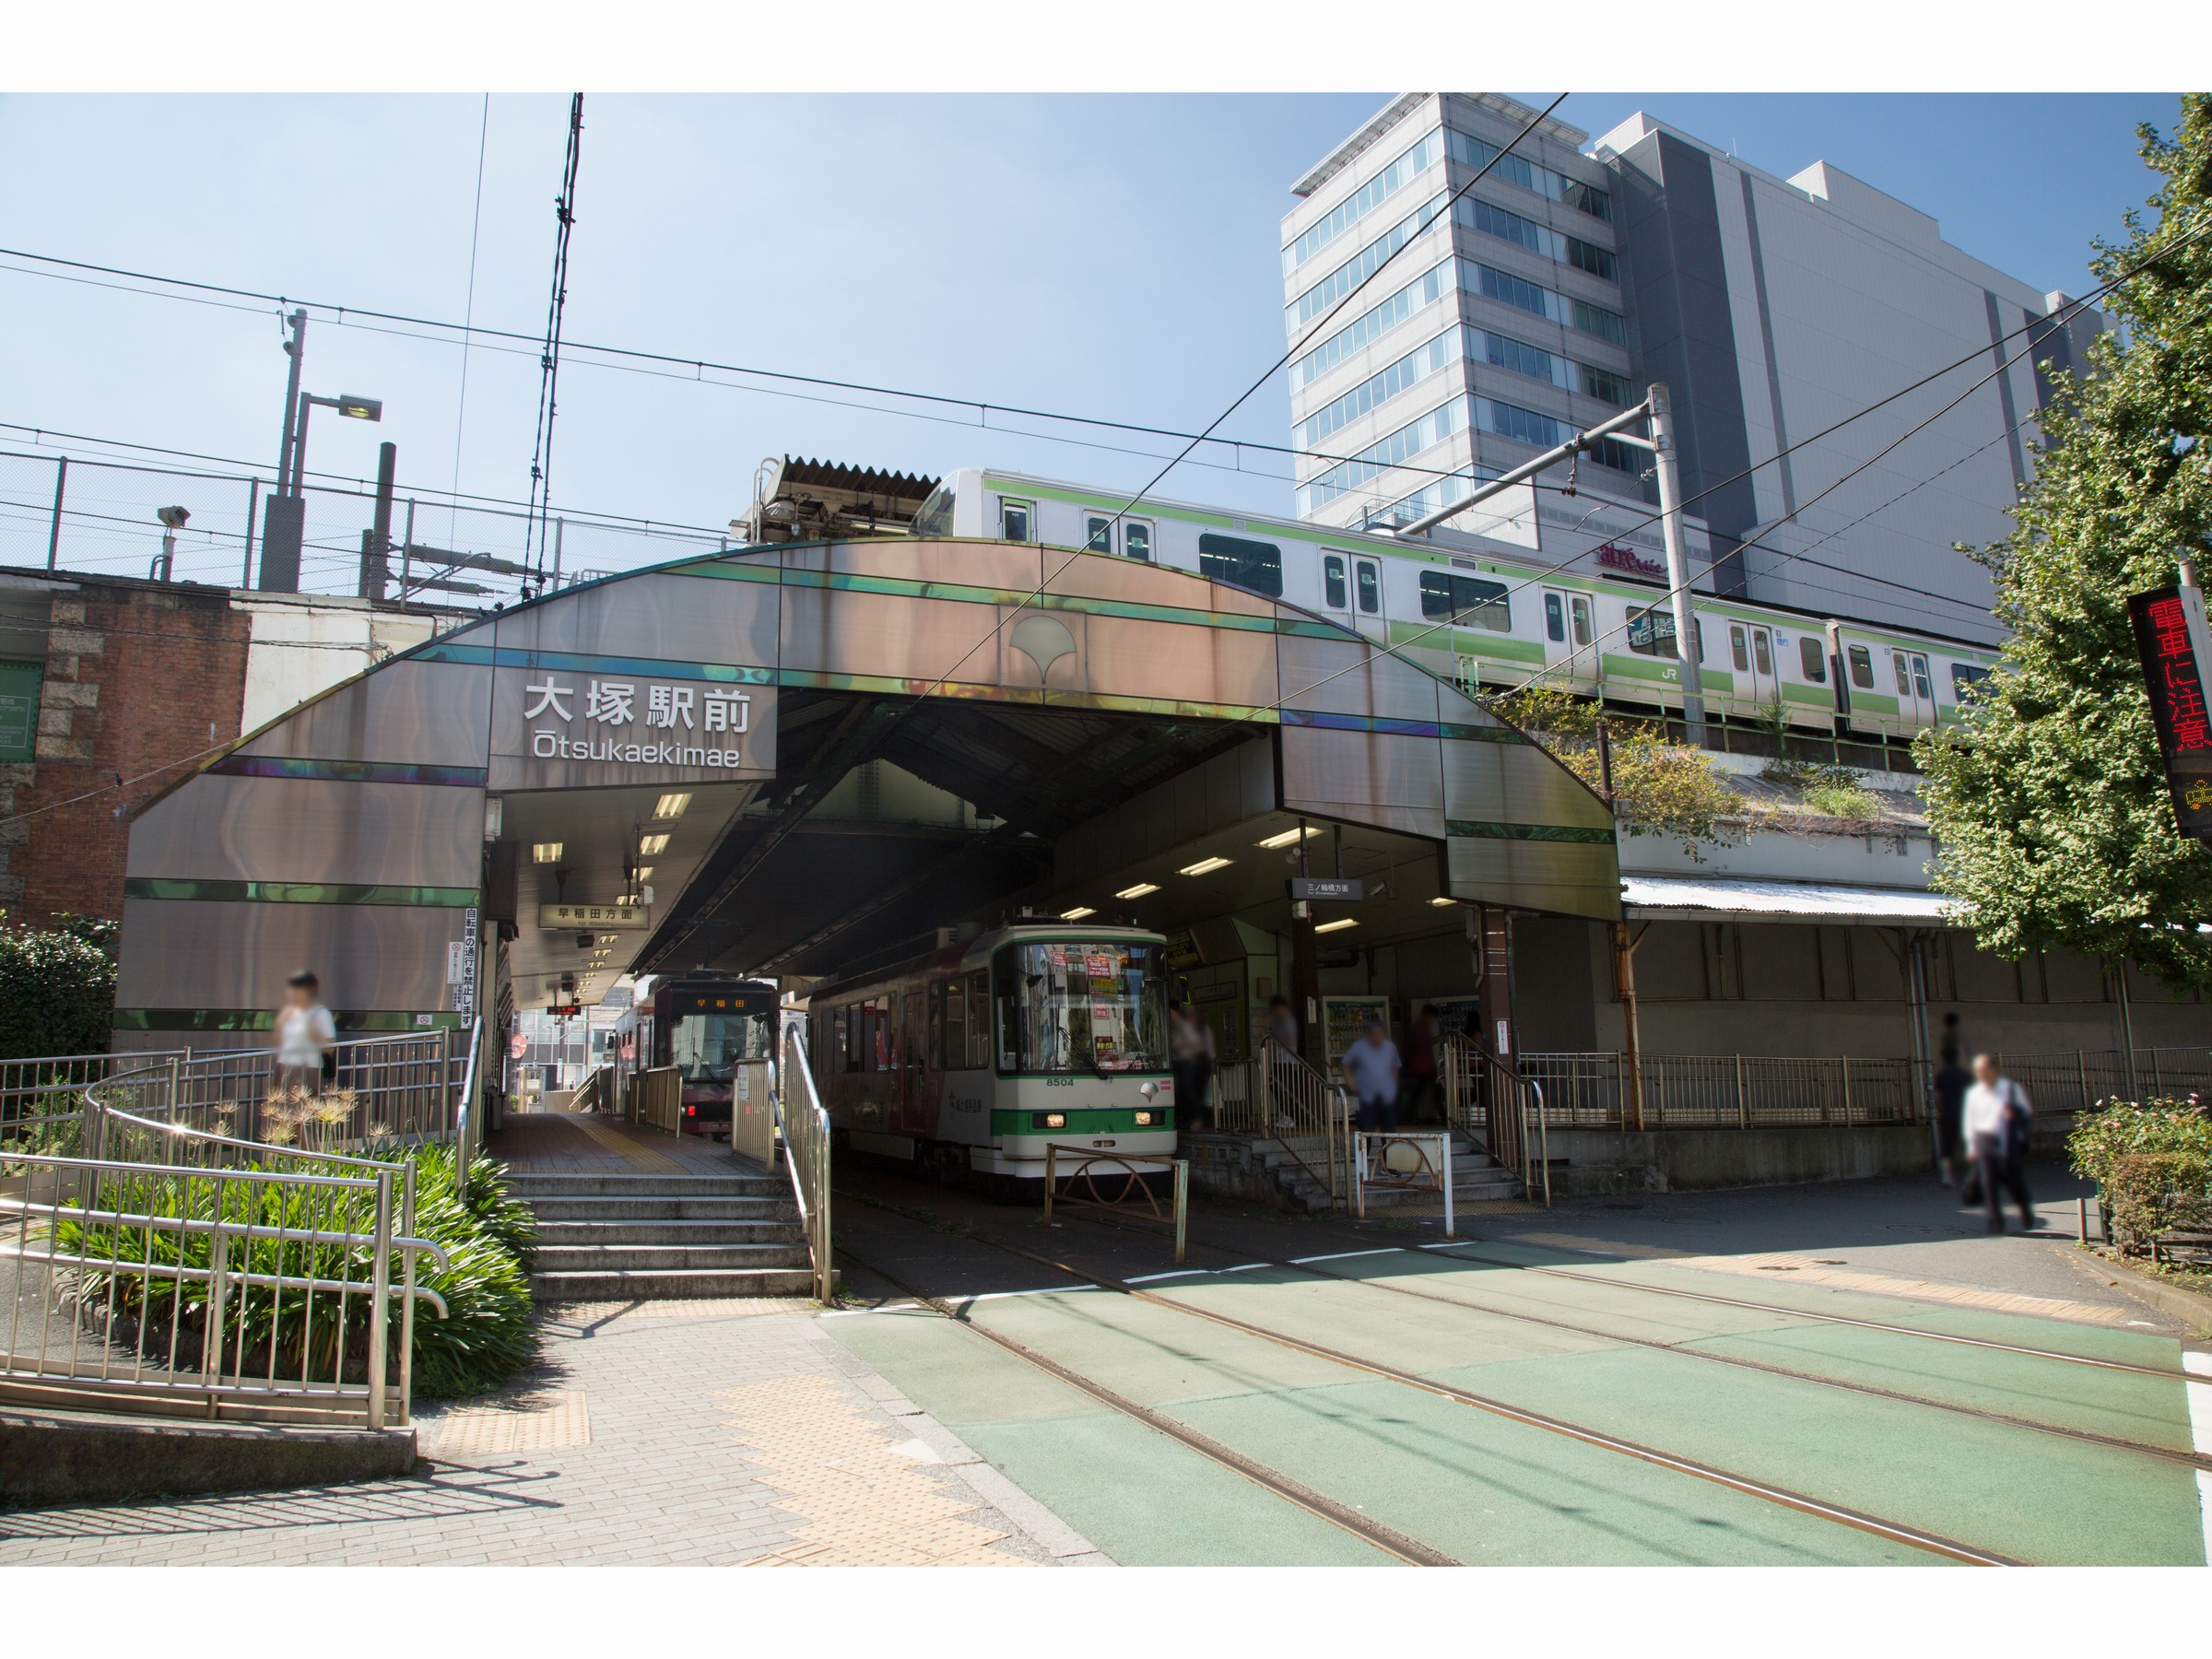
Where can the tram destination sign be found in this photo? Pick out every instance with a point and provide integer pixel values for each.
(2170, 639)
(1342, 890)
(559, 727)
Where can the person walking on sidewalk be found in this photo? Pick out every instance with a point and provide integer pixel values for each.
(1420, 1068)
(1997, 1117)
(1951, 1084)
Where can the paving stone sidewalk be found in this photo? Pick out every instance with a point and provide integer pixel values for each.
(729, 1432)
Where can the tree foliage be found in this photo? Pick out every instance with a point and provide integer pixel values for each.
(57, 992)
(2048, 799)
(1659, 787)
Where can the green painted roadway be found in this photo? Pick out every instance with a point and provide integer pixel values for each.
(1486, 1490)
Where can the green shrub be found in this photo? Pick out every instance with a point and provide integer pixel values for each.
(2100, 1138)
(486, 1338)
(2150, 1195)
(57, 992)
(1843, 801)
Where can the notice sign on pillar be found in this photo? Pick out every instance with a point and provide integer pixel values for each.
(460, 968)
(2169, 639)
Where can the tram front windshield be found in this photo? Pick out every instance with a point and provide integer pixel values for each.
(1082, 1007)
(706, 1047)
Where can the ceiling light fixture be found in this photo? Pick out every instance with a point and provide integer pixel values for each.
(1204, 866)
(1336, 927)
(671, 805)
(649, 845)
(1288, 836)
(1139, 891)
(1444, 900)
(544, 852)
(1077, 914)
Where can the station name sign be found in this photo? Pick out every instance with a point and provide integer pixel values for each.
(560, 918)
(2171, 640)
(557, 727)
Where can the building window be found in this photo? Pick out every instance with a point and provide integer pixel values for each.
(1597, 320)
(1590, 257)
(1361, 265)
(1509, 226)
(1372, 324)
(1509, 289)
(1333, 592)
(1555, 618)
(1377, 190)
(1541, 180)
(1603, 385)
(1812, 659)
(1501, 352)
(1379, 457)
(1407, 371)
(1013, 521)
(1136, 539)
(1370, 583)
(1861, 668)
(1466, 600)
(1256, 565)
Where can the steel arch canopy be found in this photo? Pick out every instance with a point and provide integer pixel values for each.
(348, 835)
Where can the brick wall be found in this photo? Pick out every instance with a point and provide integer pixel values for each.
(141, 680)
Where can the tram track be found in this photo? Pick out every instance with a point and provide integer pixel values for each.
(1895, 1532)
(2189, 1459)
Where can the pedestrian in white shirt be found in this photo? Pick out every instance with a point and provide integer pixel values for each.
(304, 1033)
(1372, 1068)
(1995, 1132)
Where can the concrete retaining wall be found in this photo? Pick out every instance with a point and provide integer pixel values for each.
(69, 1457)
(1683, 1160)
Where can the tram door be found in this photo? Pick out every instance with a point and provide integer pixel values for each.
(1915, 689)
(1751, 655)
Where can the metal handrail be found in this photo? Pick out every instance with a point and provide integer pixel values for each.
(804, 1124)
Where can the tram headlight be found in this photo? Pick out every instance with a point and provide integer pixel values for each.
(1048, 1120)
(1144, 1120)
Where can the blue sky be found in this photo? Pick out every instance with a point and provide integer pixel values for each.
(1107, 254)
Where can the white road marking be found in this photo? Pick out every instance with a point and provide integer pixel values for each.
(2200, 1431)
(1003, 1295)
(1248, 1268)
(1346, 1255)
(1149, 1278)
(899, 1306)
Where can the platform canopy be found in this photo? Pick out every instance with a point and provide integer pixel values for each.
(809, 753)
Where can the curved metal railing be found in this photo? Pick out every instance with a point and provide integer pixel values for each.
(804, 1125)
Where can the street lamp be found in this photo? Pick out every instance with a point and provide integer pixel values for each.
(172, 520)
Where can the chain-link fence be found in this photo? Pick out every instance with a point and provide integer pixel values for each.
(97, 516)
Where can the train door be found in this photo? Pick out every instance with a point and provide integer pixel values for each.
(1569, 627)
(1915, 689)
(1337, 586)
(1368, 615)
(1751, 655)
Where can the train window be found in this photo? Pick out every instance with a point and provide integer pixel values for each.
(1584, 630)
(1861, 668)
(1812, 659)
(1965, 676)
(1761, 652)
(1370, 583)
(979, 1019)
(1739, 648)
(1904, 674)
(1256, 565)
(1920, 677)
(936, 1026)
(1467, 600)
(1555, 617)
(1652, 633)
(935, 515)
(1334, 594)
(1097, 535)
(1013, 521)
(1136, 540)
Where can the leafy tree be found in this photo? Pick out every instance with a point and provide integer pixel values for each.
(57, 992)
(2048, 799)
(1659, 787)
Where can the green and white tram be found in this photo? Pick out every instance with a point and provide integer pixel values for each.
(968, 1061)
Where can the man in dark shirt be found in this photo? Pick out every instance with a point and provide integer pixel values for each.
(1951, 1084)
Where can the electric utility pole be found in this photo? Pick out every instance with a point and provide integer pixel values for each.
(1678, 565)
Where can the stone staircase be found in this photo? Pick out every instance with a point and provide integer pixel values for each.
(1271, 1170)
(625, 1237)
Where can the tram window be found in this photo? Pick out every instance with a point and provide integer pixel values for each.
(1904, 674)
(1555, 618)
(1332, 591)
(910, 1031)
(1466, 600)
(1078, 1008)
(1256, 565)
(1761, 652)
(979, 1019)
(936, 1026)
(1861, 668)
(1965, 676)
(1014, 521)
(1739, 649)
(1097, 535)
(1812, 659)
(1370, 583)
(1136, 540)
(1584, 629)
